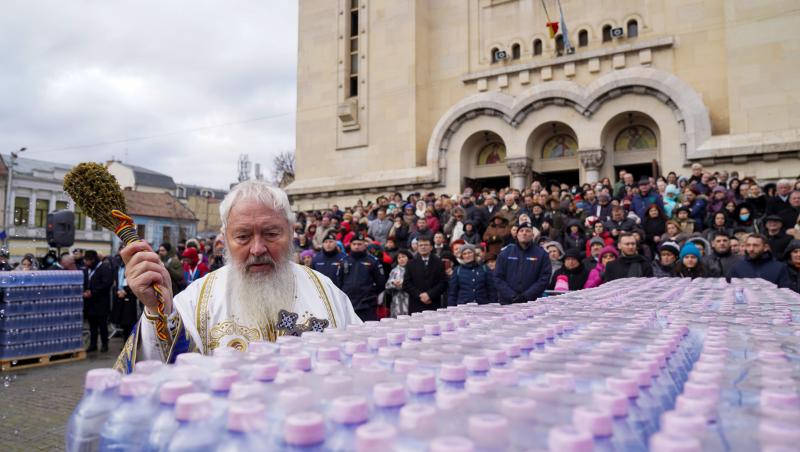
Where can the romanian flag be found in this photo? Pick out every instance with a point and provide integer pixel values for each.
(553, 28)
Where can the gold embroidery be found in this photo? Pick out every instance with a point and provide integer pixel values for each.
(201, 315)
(127, 348)
(229, 328)
(323, 294)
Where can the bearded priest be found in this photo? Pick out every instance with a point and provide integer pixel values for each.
(258, 295)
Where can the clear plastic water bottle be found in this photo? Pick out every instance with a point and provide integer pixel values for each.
(387, 400)
(375, 436)
(100, 398)
(245, 428)
(127, 427)
(345, 415)
(304, 431)
(165, 424)
(417, 427)
(197, 429)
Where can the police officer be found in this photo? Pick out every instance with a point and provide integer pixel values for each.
(362, 278)
(523, 268)
(329, 260)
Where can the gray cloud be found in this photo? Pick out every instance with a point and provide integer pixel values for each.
(77, 73)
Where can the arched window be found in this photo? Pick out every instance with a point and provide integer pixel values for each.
(633, 28)
(635, 138)
(606, 33)
(515, 52)
(560, 45)
(491, 153)
(494, 54)
(583, 38)
(559, 146)
(537, 47)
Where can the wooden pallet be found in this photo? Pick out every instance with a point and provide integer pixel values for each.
(27, 362)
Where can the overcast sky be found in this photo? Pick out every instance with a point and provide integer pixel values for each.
(178, 86)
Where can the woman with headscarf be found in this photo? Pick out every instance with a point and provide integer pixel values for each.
(470, 282)
(398, 298)
(595, 278)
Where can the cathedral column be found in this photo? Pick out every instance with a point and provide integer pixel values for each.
(520, 168)
(592, 160)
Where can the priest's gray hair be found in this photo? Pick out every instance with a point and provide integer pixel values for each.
(260, 191)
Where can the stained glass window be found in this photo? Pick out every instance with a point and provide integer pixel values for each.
(492, 153)
(559, 146)
(635, 138)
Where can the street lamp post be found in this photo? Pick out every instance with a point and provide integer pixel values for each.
(9, 208)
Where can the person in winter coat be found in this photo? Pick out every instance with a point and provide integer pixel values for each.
(454, 228)
(555, 252)
(574, 237)
(664, 265)
(758, 263)
(593, 247)
(595, 278)
(690, 264)
(471, 282)
(329, 261)
(697, 207)
(720, 259)
(193, 269)
(425, 279)
(174, 267)
(718, 224)
(646, 197)
(379, 227)
(362, 278)
(654, 224)
(670, 199)
(98, 278)
(684, 220)
(497, 234)
(471, 234)
(672, 232)
(776, 235)
(630, 263)
(719, 197)
(745, 221)
(398, 298)
(792, 258)
(573, 269)
(619, 223)
(522, 269)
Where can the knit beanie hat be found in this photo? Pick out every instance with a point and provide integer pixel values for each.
(690, 248)
(562, 283)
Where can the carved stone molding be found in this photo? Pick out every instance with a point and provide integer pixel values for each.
(592, 159)
(519, 166)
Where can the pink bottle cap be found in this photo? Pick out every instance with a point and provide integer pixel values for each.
(421, 382)
(371, 373)
(295, 398)
(658, 357)
(300, 361)
(329, 353)
(405, 365)
(452, 372)
(538, 337)
(148, 367)
(569, 439)
(375, 437)
(262, 347)
(665, 442)
(447, 325)
(290, 348)
(479, 385)
(496, 356)
(525, 365)
(102, 379)
(337, 384)
(264, 371)
(701, 389)
(625, 385)
(775, 432)
(543, 391)
(246, 417)
(641, 375)
(171, 390)
(518, 408)
(416, 418)
(387, 395)
(351, 347)
(512, 350)
(476, 363)
(451, 400)
(192, 406)
(615, 402)
(134, 385)
(504, 376)
(432, 329)
(362, 359)
(525, 342)
(349, 410)
(595, 421)
(222, 379)
(376, 342)
(703, 405)
(680, 423)
(396, 337)
(489, 430)
(415, 333)
(451, 444)
(432, 340)
(189, 359)
(560, 380)
(304, 429)
(780, 399)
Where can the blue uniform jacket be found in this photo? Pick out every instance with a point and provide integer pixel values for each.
(362, 280)
(471, 284)
(330, 266)
(521, 272)
(765, 268)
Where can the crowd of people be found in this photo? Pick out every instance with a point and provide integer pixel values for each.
(400, 255)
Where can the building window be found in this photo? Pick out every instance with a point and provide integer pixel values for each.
(559, 146)
(583, 38)
(61, 205)
(166, 235)
(606, 33)
(560, 45)
(495, 50)
(140, 231)
(96, 226)
(80, 219)
(353, 67)
(633, 29)
(21, 210)
(537, 47)
(636, 138)
(492, 153)
(40, 215)
(515, 52)
(183, 235)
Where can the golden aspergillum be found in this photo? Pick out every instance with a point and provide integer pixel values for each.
(96, 192)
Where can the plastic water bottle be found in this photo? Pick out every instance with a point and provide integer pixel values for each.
(304, 431)
(388, 399)
(100, 398)
(165, 423)
(197, 429)
(421, 386)
(417, 427)
(127, 427)
(345, 414)
(245, 428)
(375, 436)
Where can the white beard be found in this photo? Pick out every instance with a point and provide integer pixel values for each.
(254, 299)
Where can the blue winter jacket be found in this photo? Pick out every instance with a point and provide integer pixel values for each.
(765, 268)
(521, 274)
(471, 283)
(329, 265)
(640, 203)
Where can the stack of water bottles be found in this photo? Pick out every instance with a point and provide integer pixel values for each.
(634, 365)
(41, 313)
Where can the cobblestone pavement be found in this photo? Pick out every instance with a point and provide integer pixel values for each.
(35, 404)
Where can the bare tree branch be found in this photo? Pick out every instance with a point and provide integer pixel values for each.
(283, 168)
